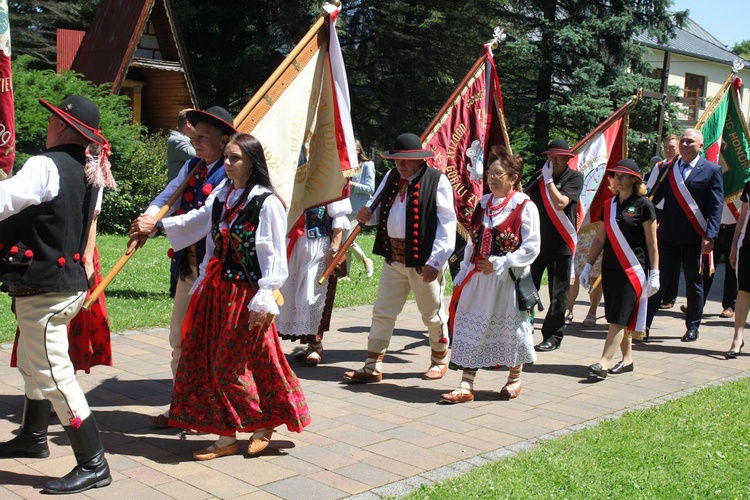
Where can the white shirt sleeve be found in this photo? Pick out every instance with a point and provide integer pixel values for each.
(270, 246)
(465, 263)
(531, 241)
(445, 236)
(338, 211)
(37, 182)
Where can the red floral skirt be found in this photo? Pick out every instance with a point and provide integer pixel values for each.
(232, 378)
(88, 332)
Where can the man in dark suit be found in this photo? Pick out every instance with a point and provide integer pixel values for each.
(693, 197)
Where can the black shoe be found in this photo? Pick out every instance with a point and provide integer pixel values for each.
(734, 354)
(691, 335)
(621, 368)
(92, 470)
(597, 370)
(31, 442)
(547, 345)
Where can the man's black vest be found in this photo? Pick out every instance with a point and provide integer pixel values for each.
(421, 216)
(41, 247)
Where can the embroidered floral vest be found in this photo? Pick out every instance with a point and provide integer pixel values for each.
(506, 236)
(241, 250)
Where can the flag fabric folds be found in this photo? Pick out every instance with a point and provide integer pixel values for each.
(302, 117)
(7, 114)
(604, 146)
(726, 139)
(471, 121)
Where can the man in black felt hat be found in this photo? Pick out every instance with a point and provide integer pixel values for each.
(557, 196)
(46, 211)
(212, 129)
(416, 235)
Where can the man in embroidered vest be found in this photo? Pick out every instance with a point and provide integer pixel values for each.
(416, 235)
(46, 211)
(693, 195)
(556, 197)
(212, 130)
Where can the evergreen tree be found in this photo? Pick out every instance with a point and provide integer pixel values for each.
(34, 23)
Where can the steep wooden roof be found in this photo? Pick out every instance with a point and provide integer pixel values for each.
(109, 46)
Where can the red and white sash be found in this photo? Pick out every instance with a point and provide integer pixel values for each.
(629, 263)
(686, 202)
(561, 222)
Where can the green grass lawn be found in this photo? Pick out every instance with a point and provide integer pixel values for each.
(139, 295)
(694, 447)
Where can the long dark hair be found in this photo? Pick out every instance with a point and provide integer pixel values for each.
(252, 149)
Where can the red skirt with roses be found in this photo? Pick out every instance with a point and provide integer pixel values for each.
(232, 378)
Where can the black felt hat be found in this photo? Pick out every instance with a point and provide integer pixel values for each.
(408, 147)
(216, 116)
(626, 166)
(81, 114)
(558, 147)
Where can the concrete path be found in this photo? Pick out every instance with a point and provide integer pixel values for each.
(367, 441)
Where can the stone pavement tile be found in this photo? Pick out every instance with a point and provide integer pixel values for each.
(291, 463)
(55, 466)
(392, 418)
(24, 492)
(121, 463)
(340, 482)
(322, 457)
(551, 424)
(254, 470)
(177, 467)
(409, 453)
(392, 465)
(411, 412)
(475, 440)
(257, 495)
(353, 434)
(522, 429)
(298, 487)
(368, 474)
(415, 436)
(356, 453)
(445, 423)
(219, 484)
(370, 423)
(498, 438)
(506, 410)
(147, 475)
(181, 490)
(584, 411)
(457, 451)
(18, 476)
(126, 489)
(320, 424)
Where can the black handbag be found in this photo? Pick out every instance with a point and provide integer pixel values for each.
(526, 292)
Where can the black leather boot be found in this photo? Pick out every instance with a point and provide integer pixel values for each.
(31, 442)
(92, 470)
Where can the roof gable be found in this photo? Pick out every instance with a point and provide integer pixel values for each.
(692, 40)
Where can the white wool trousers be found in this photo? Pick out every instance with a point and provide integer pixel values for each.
(43, 352)
(179, 311)
(396, 281)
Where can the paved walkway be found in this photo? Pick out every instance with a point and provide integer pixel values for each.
(365, 440)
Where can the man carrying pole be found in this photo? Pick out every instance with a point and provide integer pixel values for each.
(212, 130)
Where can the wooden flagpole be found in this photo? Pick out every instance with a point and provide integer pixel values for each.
(288, 61)
(129, 253)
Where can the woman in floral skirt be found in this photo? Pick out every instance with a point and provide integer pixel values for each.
(232, 375)
(489, 331)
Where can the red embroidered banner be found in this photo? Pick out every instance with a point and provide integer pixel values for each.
(471, 121)
(7, 115)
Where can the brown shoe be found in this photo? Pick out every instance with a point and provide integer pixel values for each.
(214, 452)
(158, 420)
(507, 393)
(727, 313)
(363, 377)
(258, 444)
(457, 396)
(435, 372)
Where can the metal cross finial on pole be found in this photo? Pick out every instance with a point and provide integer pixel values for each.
(737, 65)
(498, 37)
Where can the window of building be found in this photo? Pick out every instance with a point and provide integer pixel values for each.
(695, 89)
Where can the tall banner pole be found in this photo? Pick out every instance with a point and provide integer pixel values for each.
(7, 115)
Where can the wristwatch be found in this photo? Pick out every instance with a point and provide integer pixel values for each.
(159, 225)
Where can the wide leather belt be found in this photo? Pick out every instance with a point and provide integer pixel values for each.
(398, 250)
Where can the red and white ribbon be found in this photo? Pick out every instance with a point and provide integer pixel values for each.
(629, 263)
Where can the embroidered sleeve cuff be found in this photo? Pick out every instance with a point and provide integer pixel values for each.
(434, 263)
(263, 301)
